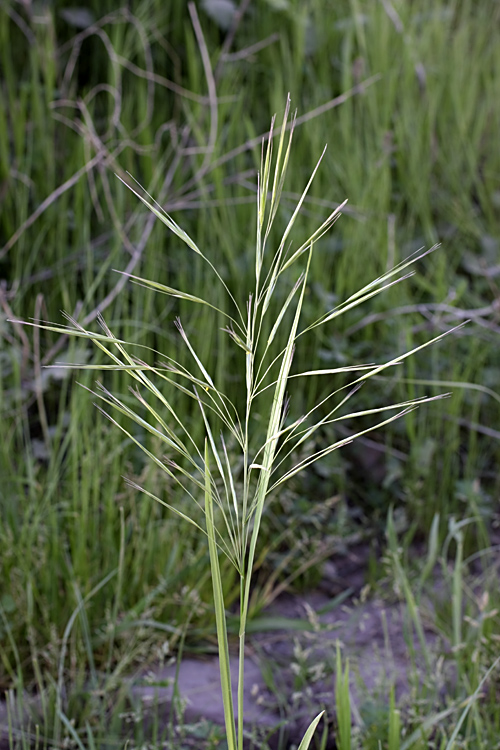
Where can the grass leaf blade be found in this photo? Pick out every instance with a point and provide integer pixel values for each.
(220, 614)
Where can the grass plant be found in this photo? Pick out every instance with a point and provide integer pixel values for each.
(236, 494)
(463, 595)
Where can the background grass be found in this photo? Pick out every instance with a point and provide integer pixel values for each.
(416, 152)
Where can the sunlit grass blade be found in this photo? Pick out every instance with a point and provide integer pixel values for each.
(229, 523)
(335, 446)
(315, 236)
(373, 287)
(282, 312)
(262, 193)
(342, 703)
(220, 406)
(161, 214)
(220, 614)
(290, 432)
(280, 169)
(168, 436)
(69, 331)
(355, 301)
(386, 407)
(140, 376)
(331, 371)
(161, 465)
(296, 211)
(178, 293)
(264, 175)
(221, 543)
(195, 356)
(453, 384)
(233, 498)
(133, 485)
(237, 340)
(269, 285)
(306, 740)
(409, 353)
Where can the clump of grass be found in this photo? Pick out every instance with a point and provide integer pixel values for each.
(229, 496)
(471, 659)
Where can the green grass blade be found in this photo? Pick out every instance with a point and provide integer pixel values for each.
(342, 703)
(229, 522)
(71, 730)
(282, 312)
(280, 170)
(230, 476)
(306, 739)
(171, 292)
(195, 356)
(469, 703)
(220, 614)
(335, 446)
(290, 224)
(373, 287)
(159, 212)
(325, 227)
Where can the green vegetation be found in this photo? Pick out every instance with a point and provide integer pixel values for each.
(95, 576)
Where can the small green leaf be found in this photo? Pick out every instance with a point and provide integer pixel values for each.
(306, 740)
